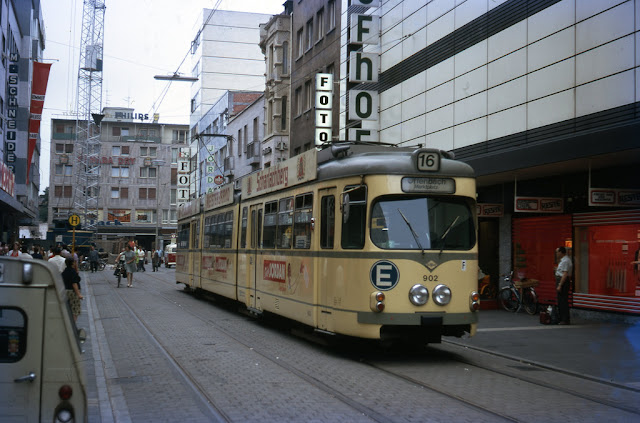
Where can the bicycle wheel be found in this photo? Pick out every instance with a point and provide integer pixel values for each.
(508, 299)
(530, 301)
(101, 265)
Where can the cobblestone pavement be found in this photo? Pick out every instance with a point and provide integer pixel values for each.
(155, 353)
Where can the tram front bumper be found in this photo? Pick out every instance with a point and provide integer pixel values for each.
(417, 319)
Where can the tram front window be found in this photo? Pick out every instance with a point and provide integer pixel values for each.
(422, 223)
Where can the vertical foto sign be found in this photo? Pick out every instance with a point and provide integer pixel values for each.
(324, 101)
(184, 174)
(364, 68)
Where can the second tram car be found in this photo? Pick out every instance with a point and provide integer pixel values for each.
(364, 241)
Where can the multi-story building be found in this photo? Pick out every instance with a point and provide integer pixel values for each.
(138, 160)
(541, 98)
(316, 43)
(23, 40)
(246, 129)
(275, 42)
(215, 146)
(226, 57)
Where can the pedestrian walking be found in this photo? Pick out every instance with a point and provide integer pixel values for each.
(36, 253)
(57, 259)
(563, 280)
(155, 261)
(141, 259)
(130, 264)
(94, 258)
(16, 250)
(71, 281)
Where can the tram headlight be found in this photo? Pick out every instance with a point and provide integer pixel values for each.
(442, 295)
(418, 295)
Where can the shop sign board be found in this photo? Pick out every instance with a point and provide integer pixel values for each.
(613, 197)
(538, 205)
(184, 173)
(324, 103)
(364, 67)
(490, 210)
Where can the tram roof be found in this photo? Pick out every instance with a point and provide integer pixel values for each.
(355, 160)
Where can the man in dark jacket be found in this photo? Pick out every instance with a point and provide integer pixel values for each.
(94, 258)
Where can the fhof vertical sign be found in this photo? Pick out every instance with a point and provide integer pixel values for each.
(364, 68)
(324, 101)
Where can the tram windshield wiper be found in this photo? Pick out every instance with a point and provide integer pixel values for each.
(415, 235)
(444, 235)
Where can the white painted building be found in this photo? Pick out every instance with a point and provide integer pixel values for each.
(225, 56)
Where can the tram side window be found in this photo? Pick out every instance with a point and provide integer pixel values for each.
(206, 241)
(13, 334)
(183, 236)
(270, 218)
(285, 223)
(218, 229)
(302, 221)
(243, 230)
(253, 229)
(354, 217)
(228, 229)
(195, 235)
(327, 221)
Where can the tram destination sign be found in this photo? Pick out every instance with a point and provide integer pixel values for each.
(296, 170)
(433, 185)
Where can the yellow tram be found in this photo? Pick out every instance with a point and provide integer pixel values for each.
(364, 241)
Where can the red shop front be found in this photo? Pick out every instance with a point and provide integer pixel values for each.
(605, 256)
(535, 240)
(607, 268)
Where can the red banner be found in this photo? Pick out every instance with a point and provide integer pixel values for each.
(38, 90)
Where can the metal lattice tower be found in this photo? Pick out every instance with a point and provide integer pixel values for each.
(86, 192)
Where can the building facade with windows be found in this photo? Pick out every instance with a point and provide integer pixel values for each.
(275, 42)
(23, 41)
(316, 43)
(225, 56)
(138, 160)
(541, 98)
(215, 149)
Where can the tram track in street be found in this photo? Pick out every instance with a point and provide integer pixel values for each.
(314, 381)
(492, 412)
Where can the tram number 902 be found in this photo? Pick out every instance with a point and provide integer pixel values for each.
(430, 278)
(428, 161)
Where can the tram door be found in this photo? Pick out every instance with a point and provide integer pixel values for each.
(326, 273)
(253, 267)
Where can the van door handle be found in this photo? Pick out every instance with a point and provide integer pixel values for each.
(28, 378)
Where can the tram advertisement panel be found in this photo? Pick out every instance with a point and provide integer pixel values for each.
(294, 171)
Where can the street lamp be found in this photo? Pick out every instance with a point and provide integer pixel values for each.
(158, 163)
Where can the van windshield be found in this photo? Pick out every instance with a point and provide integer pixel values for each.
(422, 223)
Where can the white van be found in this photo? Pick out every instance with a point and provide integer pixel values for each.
(41, 373)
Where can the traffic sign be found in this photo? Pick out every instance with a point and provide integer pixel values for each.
(74, 220)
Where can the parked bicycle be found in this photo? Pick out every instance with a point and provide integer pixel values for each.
(85, 266)
(519, 294)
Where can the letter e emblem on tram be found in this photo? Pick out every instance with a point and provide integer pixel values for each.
(384, 275)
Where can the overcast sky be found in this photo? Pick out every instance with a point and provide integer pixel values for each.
(142, 38)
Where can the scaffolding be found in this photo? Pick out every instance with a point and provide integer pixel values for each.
(89, 108)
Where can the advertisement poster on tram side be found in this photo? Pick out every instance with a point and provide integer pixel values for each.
(294, 171)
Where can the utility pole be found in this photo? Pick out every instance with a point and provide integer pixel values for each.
(89, 107)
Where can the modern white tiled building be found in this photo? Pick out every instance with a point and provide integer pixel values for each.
(540, 97)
